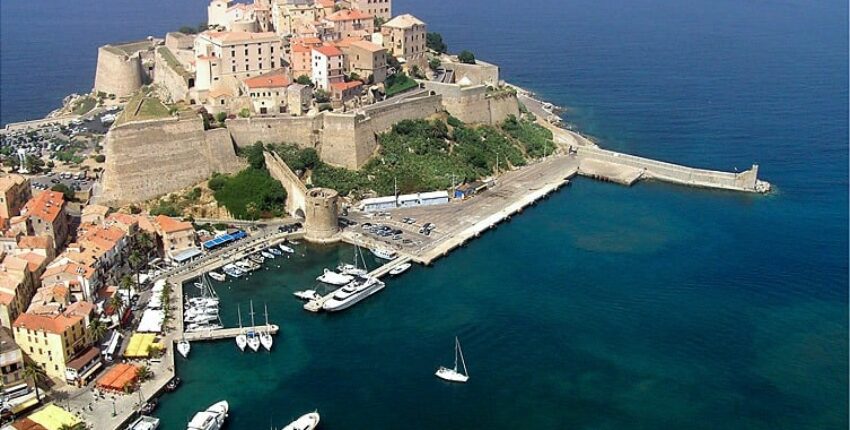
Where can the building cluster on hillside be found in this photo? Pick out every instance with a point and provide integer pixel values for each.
(269, 56)
(59, 273)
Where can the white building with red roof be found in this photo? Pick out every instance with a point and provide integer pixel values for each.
(327, 64)
(267, 91)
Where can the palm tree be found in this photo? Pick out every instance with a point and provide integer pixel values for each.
(96, 329)
(35, 373)
(116, 303)
(127, 284)
(77, 426)
(144, 242)
(135, 261)
(144, 373)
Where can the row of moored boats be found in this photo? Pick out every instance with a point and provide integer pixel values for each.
(250, 263)
(213, 418)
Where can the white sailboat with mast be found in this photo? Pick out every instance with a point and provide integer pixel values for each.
(241, 339)
(266, 335)
(452, 375)
(253, 338)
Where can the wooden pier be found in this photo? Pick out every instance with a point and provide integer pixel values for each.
(316, 305)
(226, 333)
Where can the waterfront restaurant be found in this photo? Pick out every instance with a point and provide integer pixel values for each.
(80, 370)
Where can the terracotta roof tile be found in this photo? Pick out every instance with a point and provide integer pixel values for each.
(47, 205)
(328, 50)
(348, 15)
(171, 225)
(273, 79)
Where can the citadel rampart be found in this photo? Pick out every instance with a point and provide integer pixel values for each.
(474, 104)
(296, 191)
(117, 72)
(150, 158)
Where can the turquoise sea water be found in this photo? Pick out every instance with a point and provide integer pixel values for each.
(602, 307)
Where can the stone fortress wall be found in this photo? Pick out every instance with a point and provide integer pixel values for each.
(296, 191)
(117, 72)
(473, 104)
(147, 159)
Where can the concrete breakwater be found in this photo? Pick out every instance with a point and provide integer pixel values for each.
(627, 169)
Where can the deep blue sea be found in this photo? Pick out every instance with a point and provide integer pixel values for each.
(603, 307)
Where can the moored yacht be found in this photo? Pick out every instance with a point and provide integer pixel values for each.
(306, 294)
(305, 422)
(220, 277)
(286, 249)
(267, 255)
(210, 419)
(275, 251)
(352, 293)
(333, 278)
(383, 253)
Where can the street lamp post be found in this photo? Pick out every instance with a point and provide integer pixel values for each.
(114, 412)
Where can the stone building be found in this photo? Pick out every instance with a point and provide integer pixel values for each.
(327, 66)
(17, 288)
(378, 8)
(267, 92)
(288, 14)
(178, 237)
(342, 92)
(404, 38)
(237, 54)
(11, 361)
(14, 193)
(366, 59)
(47, 216)
(350, 23)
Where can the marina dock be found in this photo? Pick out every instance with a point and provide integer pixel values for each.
(316, 305)
(226, 333)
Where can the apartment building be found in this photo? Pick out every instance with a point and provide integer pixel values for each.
(220, 54)
(378, 8)
(51, 339)
(327, 66)
(405, 38)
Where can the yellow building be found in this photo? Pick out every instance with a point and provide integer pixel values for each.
(51, 340)
(14, 193)
(17, 287)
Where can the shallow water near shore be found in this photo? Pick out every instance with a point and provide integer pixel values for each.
(602, 307)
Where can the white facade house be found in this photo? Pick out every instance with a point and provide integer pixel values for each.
(327, 64)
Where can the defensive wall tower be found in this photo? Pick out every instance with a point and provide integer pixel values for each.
(321, 223)
(118, 72)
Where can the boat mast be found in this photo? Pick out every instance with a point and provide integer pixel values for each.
(462, 361)
(239, 312)
(456, 344)
(252, 316)
(266, 310)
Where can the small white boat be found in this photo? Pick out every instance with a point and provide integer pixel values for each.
(275, 251)
(401, 268)
(383, 253)
(233, 271)
(210, 419)
(183, 347)
(305, 422)
(220, 277)
(257, 258)
(286, 249)
(333, 278)
(144, 422)
(306, 294)
(198, 285)
(452, 375)
(267, 255)
(266, 336)
(241, 339)
(350, 269)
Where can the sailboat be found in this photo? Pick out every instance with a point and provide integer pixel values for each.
(266, 336)
(354, 269)
(183, 347)
(253, 338)
(453, 375)
(241, 339)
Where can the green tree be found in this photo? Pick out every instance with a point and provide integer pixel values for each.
(304, 80)
(434, 42)
(434, 63)
(220, 117)
(65, 190)
(100, 158)
(466, 57)
(379, 21)
(77, 426)
(308, 158)
(417, 72)
(116, 304)
(127, 284)
(322, 96)
(217, 182)
(96, 329)
(135, 259)
(144, 373)
(244, 113)
(254, 154)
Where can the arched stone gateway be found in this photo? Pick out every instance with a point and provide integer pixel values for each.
(322, 222)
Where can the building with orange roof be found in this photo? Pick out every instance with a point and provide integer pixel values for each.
(126, 222)
(178, 238)
(42, 245)
(405, 38)
(342, 92)
(241, 54)
(300, 60)
(347, 22)
(81, 280)
(382, 9)
(327, 66)
(267, 91)
(289, 14)
(325, 7)
(94, 214)
(51, 340)
(15, 191)
(47, 216)
(17, 288)
(366, 59)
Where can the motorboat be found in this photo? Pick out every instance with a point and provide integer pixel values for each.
(452, 375)
(201, 319)
(257, 258)
(144, 422)
(247, 265)
(265, 335)
(286, 249)
(383, 253)
(267, 255)
(401, 268)
(201, 327)
(351, 270)
(333, 278)
(275, 251)
(183, 347)
(305, 422)
(220, 277)
(352, 293)
(233, 271)
(172, 385)
(241, 339)
(306, 294)
(210, 419)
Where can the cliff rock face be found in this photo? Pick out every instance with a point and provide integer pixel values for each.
(150, 158)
